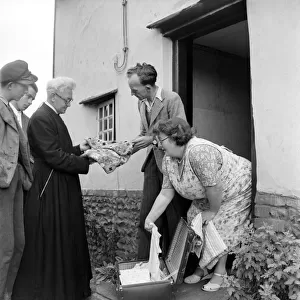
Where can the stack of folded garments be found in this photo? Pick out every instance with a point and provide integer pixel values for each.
(209, 245)
(110, 155)
(134, 276)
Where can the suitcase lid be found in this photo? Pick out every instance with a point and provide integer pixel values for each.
(179, 250)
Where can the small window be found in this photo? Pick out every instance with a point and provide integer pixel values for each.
(106, 120)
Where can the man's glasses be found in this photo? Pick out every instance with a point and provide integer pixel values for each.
(67, 101)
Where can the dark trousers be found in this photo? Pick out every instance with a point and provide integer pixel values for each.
(11, 233)
(168, 221)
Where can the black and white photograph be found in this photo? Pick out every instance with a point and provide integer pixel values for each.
(149, 150)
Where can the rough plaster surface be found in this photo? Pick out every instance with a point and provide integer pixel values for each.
(275, 72)
(88, 36)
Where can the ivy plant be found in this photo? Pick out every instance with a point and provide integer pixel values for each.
(266, 267)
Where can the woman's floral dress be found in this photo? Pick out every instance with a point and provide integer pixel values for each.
(206, 164)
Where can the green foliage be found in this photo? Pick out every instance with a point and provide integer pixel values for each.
(267, 267)
(111, 226)
(107, 272)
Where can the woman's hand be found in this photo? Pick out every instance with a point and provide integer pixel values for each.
(207, 216)
(148, 224)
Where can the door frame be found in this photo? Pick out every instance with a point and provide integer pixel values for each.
(183, 27)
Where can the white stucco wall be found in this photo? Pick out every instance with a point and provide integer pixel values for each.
(274, 27)
(88, 35)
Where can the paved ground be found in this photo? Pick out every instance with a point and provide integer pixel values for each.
(106, 291)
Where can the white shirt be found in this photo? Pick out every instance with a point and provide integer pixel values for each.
(17, 113)
(157, 96)
(47, 103)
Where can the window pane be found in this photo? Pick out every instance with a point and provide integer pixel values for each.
(100, 136)
(100, 125)
(100, 112)
(105, 124)
(105, 111)
(110, 109)
(104, 136)
(110, 135)
(110, 123)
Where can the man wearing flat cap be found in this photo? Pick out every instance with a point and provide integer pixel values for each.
(15, 172)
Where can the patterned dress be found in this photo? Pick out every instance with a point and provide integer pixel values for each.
(206, 164)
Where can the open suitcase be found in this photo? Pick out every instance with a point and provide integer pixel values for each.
(176, 260)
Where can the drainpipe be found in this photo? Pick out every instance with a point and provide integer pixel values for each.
(125, 49)
(54, 39)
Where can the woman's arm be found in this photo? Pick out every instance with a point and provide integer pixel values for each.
(162, 201)
(206, 161)
(214, 196)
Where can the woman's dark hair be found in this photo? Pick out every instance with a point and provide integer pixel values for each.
(176, 129)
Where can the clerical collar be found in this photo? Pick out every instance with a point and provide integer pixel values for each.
(47, 103)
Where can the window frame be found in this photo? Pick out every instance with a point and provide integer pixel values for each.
(102, 118)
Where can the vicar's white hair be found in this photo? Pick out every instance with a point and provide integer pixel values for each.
(60, 84)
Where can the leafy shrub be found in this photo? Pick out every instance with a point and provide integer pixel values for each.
(267, 267)
(111, 227)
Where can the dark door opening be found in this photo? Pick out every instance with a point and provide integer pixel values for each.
(221, 88)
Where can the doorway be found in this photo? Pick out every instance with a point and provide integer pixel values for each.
(211, 72)
(221, 88)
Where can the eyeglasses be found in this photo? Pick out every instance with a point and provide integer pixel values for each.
(67, 101)
(161, 140)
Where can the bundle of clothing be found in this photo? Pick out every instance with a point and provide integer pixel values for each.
(110, 155)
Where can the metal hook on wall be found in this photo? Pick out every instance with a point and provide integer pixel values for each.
(125, 45)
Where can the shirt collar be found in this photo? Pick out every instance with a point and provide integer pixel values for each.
(157, 96)
(47, 103)
(16, 112)
(4, 100)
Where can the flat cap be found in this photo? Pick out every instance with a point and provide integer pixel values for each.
(17, 71)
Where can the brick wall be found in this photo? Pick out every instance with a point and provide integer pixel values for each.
(280, 211)
(111, 219)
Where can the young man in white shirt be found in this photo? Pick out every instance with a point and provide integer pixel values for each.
(20, 106)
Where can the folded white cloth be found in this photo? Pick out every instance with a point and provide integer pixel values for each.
(153, 264)
(212, 244)
(134, 276)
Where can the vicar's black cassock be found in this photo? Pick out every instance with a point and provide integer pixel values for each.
(55, 263)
